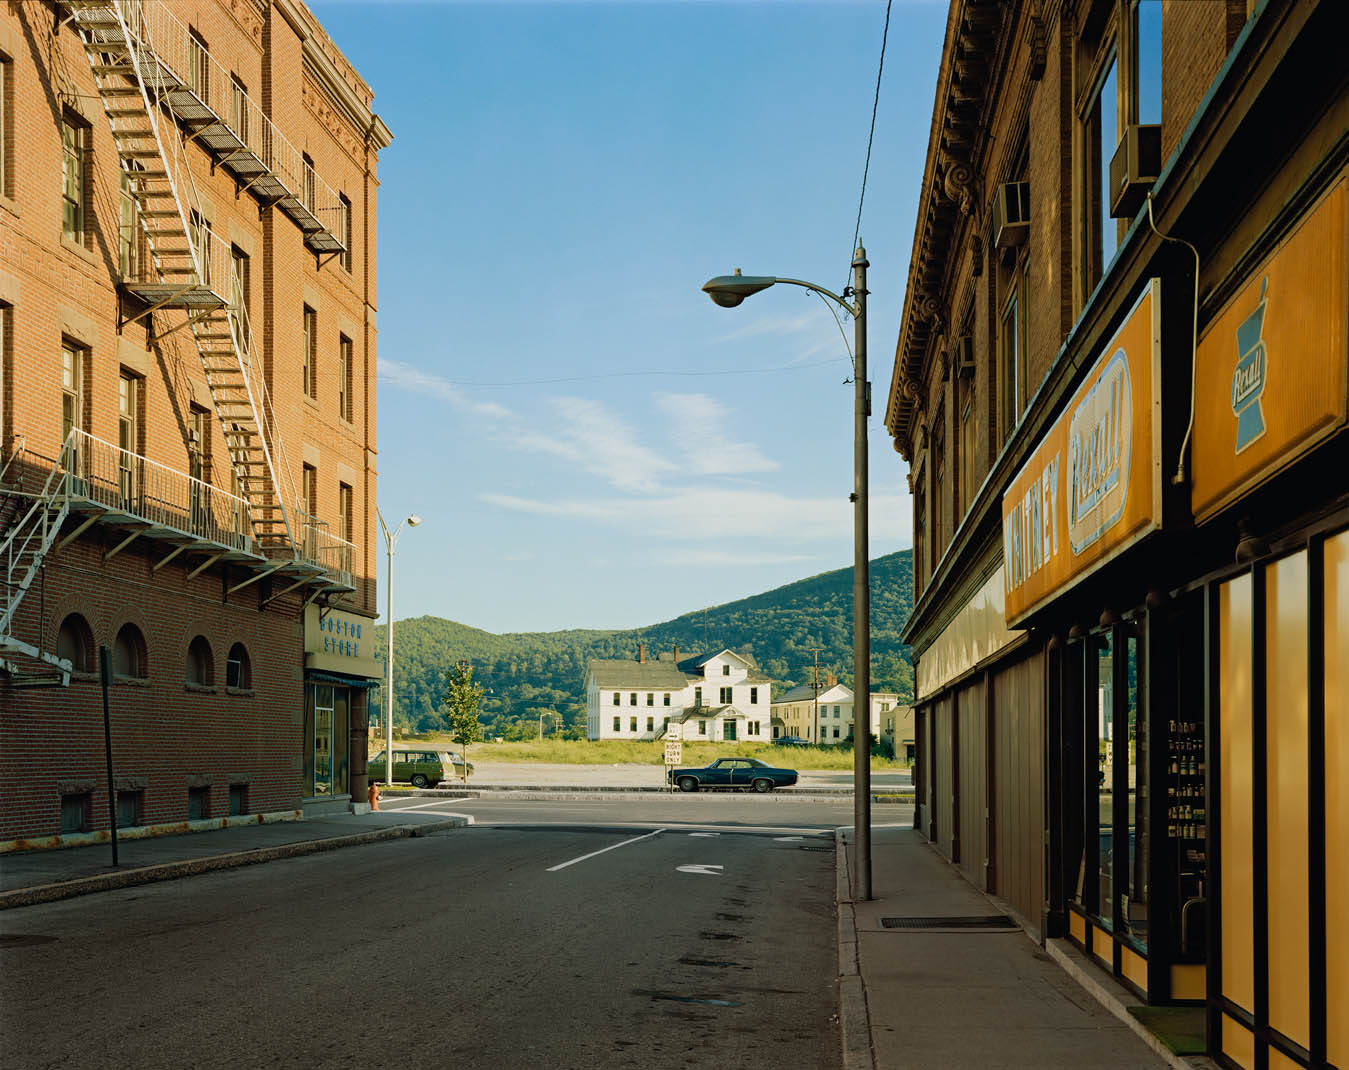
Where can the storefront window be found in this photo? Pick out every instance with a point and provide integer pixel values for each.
(327, 718)
(1105, 705)
(1134, 883)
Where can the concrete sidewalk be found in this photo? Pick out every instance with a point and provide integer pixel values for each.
(29, 877)
(937, 998)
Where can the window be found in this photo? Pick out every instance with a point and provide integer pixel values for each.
(1012, 343)
(632, 699)
(128, 229)
(965, 411)
(697, 696)
(239, 108)
(311, 489)
(702, 728)
(75, 812)
(753, 696)
(309, 340)
(344, 505)
(344, 377)
(128, 437)
(238, 668)
(198, 66)
(198, 804)
(6, 124)
(204, 237)
(200, 668)
(129, 661)
(6, 360)
(310, 182)
(650, 724)
(618, 699)
(632, 724)
(1145, 94)
(72, 389)
(666, 697)
(836, 732)
(939, 508)
(725, 670)
(240, 280)
(130, 805)
(650, 699)
(75, 643)
(725, 696)
(1100, 138)
(344, 230)
(238, 799)
(617, 724)
(74, 149)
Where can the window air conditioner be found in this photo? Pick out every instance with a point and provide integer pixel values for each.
(1011, 214)
(965, 356)
(1134, 168)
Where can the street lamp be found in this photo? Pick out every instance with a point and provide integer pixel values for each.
(391, 542)
(728, 291)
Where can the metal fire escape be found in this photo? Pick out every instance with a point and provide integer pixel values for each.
(189, 269)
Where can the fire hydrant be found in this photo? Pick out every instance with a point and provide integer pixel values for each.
(374, 795)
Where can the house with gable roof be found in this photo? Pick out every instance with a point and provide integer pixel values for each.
(722, 696)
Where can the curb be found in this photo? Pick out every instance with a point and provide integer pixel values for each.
(167, 871)
(853, 1018)
(570, 794)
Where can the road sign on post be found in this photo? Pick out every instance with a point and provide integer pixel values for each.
(674, 752)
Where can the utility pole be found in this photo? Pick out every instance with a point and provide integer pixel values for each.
(815, 650)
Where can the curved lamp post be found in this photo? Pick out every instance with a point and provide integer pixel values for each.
(728, 291)
(391, 542)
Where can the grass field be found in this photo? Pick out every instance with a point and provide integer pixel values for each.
(621, 752)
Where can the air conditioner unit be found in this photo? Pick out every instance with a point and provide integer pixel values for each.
(1011, 214)
(965, 356)
(1134, 168)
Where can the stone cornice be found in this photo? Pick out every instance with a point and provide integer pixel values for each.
(951, 191)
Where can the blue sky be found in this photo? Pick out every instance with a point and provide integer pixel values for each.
(589, 441)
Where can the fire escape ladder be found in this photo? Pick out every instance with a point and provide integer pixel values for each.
(22, 550)
(190, 268)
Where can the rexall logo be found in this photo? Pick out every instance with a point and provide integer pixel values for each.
(1248, 377)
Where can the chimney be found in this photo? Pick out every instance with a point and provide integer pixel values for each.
(676, 653)
(830, 679)
(641, 653)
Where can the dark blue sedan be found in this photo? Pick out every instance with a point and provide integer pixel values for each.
(738, 774)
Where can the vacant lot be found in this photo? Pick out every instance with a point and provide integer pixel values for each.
(614, 752)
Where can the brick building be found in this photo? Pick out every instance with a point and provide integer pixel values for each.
(1125, 421)
(187, 413)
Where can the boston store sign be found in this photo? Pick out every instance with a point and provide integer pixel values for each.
(1092, 487)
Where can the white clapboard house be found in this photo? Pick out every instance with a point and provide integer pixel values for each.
(713, 697)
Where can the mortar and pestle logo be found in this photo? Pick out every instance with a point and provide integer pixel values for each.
(1248, 377)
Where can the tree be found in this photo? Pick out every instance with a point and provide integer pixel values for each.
(460, 707)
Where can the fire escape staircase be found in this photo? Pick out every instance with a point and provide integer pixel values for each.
(22, 551)
(189, 268)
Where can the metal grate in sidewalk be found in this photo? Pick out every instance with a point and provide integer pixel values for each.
(987, 921)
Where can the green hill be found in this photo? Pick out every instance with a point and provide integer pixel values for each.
(533, 672)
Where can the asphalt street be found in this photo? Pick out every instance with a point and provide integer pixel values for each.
(552, 935)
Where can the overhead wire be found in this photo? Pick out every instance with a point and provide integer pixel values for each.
(647, 372)
(875, 105)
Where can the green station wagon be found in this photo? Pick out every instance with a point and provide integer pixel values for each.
(421, 768)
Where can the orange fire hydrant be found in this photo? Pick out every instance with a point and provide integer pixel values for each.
(374, 795)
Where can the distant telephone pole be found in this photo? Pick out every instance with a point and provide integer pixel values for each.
(816, 651)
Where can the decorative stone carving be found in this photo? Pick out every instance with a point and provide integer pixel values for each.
(928, 308)
(1038, 48)
(959, 183)
(331, 119)
(976, 244)
(249, 18)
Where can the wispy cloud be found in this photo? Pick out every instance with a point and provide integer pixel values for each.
(406, 377)
(714, 558)
(595, 439)
(698, 514)
(699, 424)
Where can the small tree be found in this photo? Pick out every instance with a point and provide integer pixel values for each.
(460, 707)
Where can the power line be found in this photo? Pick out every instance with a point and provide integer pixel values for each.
(632, 374)
(875, 104)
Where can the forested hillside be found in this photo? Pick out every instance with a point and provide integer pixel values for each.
(529, 674)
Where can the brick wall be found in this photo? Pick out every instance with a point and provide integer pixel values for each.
(57, 290)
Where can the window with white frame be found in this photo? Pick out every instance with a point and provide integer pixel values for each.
(725, 696)
(74, 149)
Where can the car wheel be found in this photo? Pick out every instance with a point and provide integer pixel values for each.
(418, 781)
(687, 783)
(762, 785)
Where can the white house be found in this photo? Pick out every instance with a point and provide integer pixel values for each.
(721, 697)
(794, 712)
